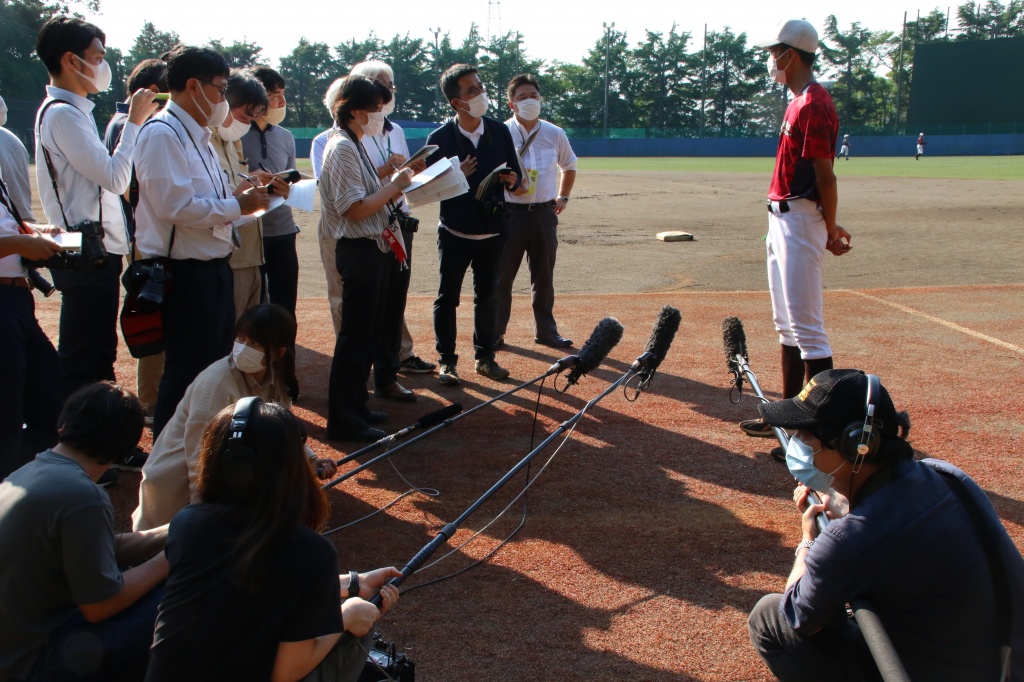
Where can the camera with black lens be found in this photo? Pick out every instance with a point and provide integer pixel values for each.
(147, 279)
(407, 222)
(93, 252)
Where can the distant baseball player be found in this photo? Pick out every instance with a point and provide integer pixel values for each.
(802, 202)
(844, 151)
(920, 146)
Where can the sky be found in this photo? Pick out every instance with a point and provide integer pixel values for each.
(553, 29)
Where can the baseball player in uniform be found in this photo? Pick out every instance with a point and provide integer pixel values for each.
(802, 202)
(844, 151)
(920, 146)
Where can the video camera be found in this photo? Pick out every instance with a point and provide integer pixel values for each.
(93, 252)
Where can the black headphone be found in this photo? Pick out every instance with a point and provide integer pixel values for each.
(859, 440)
(240, 460)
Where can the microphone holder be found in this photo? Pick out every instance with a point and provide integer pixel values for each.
(881, 647)
(447, 422)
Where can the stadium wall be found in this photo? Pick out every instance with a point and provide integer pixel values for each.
(895, 145)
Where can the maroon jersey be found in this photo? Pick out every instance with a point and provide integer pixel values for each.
(809, 131)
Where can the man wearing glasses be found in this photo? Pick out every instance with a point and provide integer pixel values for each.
(185, 218)
(471, 232)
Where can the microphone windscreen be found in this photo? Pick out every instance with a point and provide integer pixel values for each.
(664, 331)
(437, 416)
(607, 334)
(734, 341)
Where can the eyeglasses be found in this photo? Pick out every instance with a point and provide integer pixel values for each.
(222, 90)
(475, 91)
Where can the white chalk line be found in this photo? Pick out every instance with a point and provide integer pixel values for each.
(939, 320)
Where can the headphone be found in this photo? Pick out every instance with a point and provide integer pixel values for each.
(240, 460)
(859, 441)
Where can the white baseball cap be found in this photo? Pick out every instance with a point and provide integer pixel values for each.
(795, 33)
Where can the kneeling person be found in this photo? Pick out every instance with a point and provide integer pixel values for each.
(65, 605)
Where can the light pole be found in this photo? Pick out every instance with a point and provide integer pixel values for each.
(437, 67)
(607, 47)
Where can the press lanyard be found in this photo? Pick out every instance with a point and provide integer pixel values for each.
(383, 157)
(213, 183)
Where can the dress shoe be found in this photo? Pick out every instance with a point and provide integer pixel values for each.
(396, 392)
(376, 417)
(554, 342)
(367, 435)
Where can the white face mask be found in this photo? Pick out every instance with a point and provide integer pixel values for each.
(101, 74)
(375, 125)
(233, 132)
(773, 69)
(219, 112)
(246, 358)
(276, 115)
(389, 108)
(528, 109)
(478, 105)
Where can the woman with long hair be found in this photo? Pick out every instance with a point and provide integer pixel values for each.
(262, 364)
(253, 591)
(358, 211)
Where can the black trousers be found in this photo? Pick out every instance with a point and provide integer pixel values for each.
(30, 397)
(199, 328)
(280, 271)
(386, 362)
(535, 234)
(456, 255)
(87, 345)
(365, 323)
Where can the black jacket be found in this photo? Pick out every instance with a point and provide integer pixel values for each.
(464, 213)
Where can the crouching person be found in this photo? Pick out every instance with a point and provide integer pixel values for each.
(254, 591)
(67, 611)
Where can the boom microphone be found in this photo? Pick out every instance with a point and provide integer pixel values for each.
(437, 416)
(735, 343)
(567, 361)
(606, 336)
(660, 340)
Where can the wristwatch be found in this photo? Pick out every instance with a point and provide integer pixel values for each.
(565, 199)
(353, 584)
(804, 544)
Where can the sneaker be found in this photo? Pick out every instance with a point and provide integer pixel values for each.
(133, 462)
(758, 428)
(448, 376)
(416, 365)
(491, 370)
(108, 478)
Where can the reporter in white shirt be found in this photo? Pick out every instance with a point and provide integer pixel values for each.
(88, 182)
(185, 217)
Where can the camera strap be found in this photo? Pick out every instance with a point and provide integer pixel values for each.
(8, 202)
(135, 196)
(53, 172)
(996, 567)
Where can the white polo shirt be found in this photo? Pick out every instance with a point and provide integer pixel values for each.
(181, 184)
(547, 156)
(85, 170)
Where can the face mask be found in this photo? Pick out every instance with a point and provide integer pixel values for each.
(246, 358)
(375, 125)
(276, 115)
(233, 132)
(773, 69)
(101, 74)
(478, 105)
(219, 112)
(800, 460)
(528, 109)
(389, 108)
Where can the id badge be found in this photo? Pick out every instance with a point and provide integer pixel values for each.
(223, 232)
(533, 182)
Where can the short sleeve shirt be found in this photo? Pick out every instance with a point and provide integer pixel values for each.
(56, 551)
(809, 131)
(208, 628)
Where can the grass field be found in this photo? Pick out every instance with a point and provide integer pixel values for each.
(949, 167)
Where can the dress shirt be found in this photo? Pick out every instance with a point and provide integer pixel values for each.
(316, 150)
(380, 148)
(344, 181)
(181, 184)
(14, 172)
(549, 153)
(10, 266)
(84, 169)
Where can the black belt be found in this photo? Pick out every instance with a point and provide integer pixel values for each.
(20, 282)
(530, 207)
(783, 206)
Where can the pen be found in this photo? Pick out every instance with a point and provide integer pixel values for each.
(263, 168)
(253, 179)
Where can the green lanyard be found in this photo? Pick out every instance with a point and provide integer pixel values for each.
(383, 157)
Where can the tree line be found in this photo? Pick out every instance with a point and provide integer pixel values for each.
(666, 83)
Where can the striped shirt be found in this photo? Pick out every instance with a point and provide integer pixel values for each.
(344, 180)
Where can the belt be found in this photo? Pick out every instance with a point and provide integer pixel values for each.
(793, 205)
(779, 207)
(21, 282)
(530, 207)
